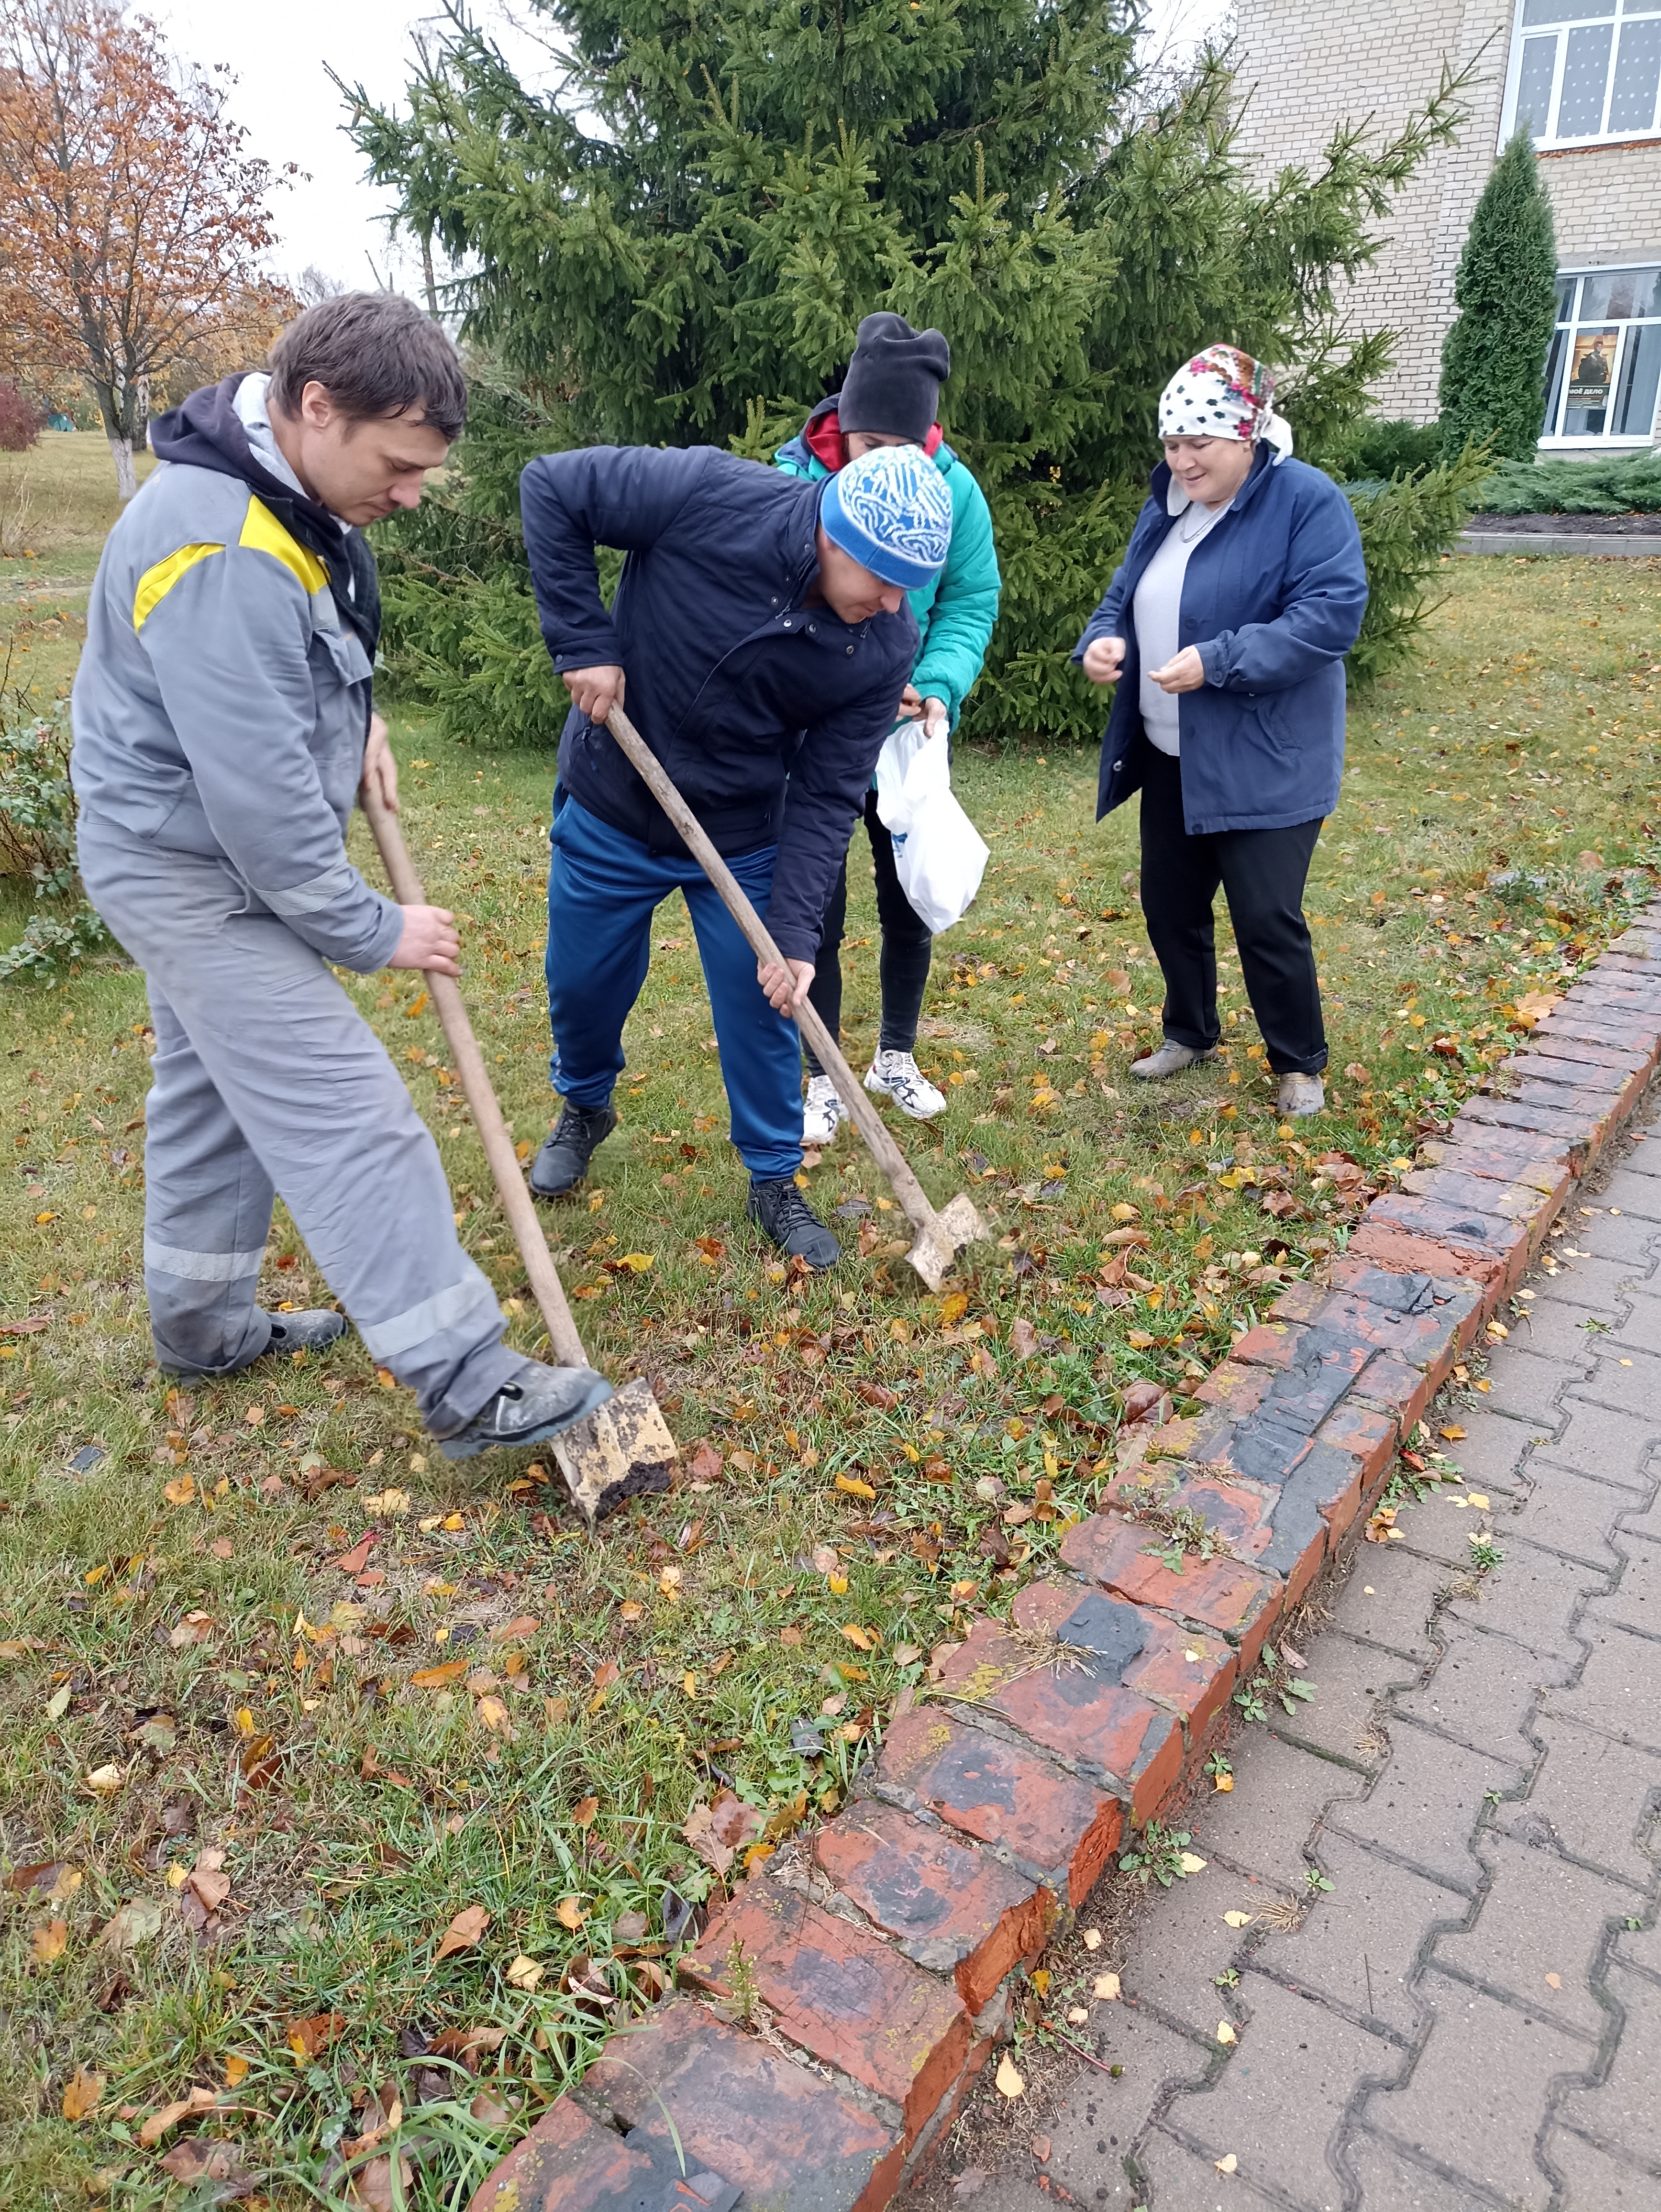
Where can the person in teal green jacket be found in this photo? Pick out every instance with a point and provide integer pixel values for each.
(889, 398)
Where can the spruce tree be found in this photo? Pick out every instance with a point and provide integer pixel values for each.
(1493, 357)
(677, 244)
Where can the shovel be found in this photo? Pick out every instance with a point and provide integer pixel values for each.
(941, 1235)
(624, 1447)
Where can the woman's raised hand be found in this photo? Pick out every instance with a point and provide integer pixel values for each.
(1103, 657)
(1185, 672)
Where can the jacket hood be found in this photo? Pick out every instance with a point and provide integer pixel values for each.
(821, 439)
(206, 432)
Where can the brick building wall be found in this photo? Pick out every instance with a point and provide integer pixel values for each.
(1307, 65)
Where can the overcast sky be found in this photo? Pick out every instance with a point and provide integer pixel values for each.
(332, 218)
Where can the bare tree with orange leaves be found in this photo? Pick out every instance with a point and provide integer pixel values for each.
(131, 222)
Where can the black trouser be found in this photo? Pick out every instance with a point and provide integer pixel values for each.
(907, 949)
(1263, 874)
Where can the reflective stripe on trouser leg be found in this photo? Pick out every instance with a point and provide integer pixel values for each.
(319, 1106)
(207, 1213)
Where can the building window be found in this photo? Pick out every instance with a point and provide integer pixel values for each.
(1581, 71)
(1605, 366)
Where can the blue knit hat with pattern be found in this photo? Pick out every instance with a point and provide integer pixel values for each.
(890, 511)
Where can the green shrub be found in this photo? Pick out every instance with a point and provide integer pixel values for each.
(1493, 357)
(1562, 487)
(1386, 449)
(1405, 527)
(37, 840)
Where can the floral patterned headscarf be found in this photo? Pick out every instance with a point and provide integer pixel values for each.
(1223, 393)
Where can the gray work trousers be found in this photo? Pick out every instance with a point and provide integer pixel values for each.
(267, 1078)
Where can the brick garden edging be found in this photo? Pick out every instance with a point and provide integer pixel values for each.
(883, 1946)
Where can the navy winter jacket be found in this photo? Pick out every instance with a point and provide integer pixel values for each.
(1273, 597)
(769, 714)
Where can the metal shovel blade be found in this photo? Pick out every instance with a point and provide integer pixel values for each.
(621, 1450)
(943, 1237)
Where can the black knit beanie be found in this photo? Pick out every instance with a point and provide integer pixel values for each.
(893, 381)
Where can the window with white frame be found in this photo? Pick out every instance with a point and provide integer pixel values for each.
(1581, 71)
(1605, 366)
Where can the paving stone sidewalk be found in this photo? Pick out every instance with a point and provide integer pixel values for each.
(1470, 2016)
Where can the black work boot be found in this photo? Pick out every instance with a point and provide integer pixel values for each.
(313, 1330)
(563, 1160)
(781, 1211)
(538, 1403)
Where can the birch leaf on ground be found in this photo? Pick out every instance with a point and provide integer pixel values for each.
(1008, 2079)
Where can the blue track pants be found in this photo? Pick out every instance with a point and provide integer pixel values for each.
(603, 890)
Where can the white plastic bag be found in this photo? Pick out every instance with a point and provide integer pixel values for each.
(940, 856)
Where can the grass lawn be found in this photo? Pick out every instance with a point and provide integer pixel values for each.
(260, 1786)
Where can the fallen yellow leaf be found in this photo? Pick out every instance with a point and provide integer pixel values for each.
(236, 2068)
(851, 1486)
(1192, 1864)
(48, 1942)
(105, 1781)
(1223, 1782)
(1553, 1981)
(1009, 2082)
(435, 1678)
(82, 2094)
(180, 1491)
(1106, 1987)
(1478, 1500)
(524, 1973)
(1227, 2163)
(1092, 1939)
(569, 1913)
(1238, 1919)
(1225, 2033)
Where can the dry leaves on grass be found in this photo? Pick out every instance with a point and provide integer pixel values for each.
(212, 2167)
(160, 2123)
(48, 1942)
(81, 2093)
(464, 1931)
(719, 1831)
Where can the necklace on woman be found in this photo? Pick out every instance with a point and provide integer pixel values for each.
(1194, 521)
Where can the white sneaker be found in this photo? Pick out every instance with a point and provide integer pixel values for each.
(824, 1113)
(1300, 1095)
(898, 1075)
(1170, 1060)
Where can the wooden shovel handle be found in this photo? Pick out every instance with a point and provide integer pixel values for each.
(852, 1093)
(516, 1200)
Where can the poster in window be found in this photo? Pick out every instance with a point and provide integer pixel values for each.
(1591, 368)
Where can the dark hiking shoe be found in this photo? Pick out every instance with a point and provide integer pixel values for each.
(306, 1332)
(538, 1403)
(314, 1331)
(781, 1211)
(563, 1160)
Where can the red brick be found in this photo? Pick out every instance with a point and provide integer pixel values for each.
(1053, 1824)
(1530, 1165)
(1299, 1302)
(787, 2137)
(1425, 1322)
(1620, 1087)
(1236, 1388)
(849, 1998)
(1194, 1689)
(1446, 1224)
(1389, 1245)
(1135, 1746)
(1563, 1044)
(949, 1908)
(567, 2163)
(1226, 1596)
(1399, 1389)
(1241, 1516)
(1271, 1344)
(1526, 1144)
(1368, 1434)
(1578, 1137)
(1508, 1202)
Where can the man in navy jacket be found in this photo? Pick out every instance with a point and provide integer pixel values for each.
(762, 631)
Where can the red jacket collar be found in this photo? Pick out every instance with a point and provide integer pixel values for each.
(823, 439)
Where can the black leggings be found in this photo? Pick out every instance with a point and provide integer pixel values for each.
(907, 949)
(1263, 874)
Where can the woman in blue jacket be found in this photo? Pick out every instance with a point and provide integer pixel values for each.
(1224, 630)
(888, 399)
